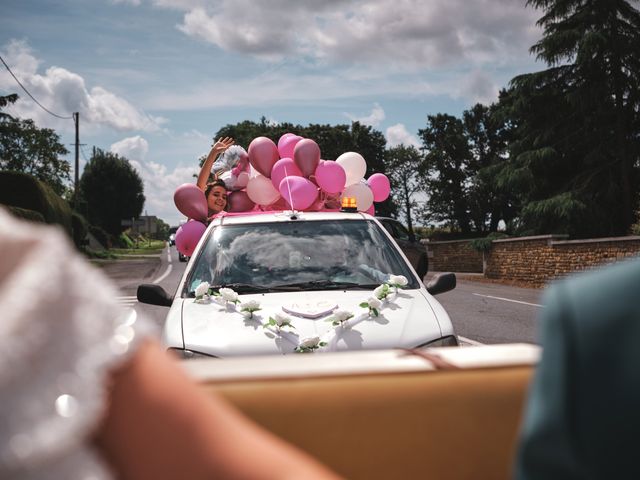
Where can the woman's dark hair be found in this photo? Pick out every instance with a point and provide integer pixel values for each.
(210, 185)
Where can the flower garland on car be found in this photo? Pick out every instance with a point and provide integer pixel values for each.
(225, 296)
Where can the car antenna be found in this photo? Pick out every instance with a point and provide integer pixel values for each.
(294, 214)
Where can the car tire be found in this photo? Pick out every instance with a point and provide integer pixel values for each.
(423, 266)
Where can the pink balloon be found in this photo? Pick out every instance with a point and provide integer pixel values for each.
(283, 168)
(330, 176)
(284, 137)
(285, 149)
(239, 201)
(380, 186)
(280, 204)
(371, 211)
(188, 236)
(299, 192)
(191, 201)
(263, 153)
(307, 156)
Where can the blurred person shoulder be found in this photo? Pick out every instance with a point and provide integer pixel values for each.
(581, 417)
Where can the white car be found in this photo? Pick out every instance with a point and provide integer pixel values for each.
(314, 279)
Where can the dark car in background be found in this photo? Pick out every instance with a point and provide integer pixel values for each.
(415, 251)
(172, 236)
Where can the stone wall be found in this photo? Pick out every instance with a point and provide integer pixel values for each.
(532, 261)
(453, 256)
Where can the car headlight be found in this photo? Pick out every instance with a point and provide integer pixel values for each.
(448, 341)
(188, 354)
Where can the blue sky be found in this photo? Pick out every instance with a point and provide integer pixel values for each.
(153, 80)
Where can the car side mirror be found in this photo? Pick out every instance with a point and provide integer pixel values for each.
(441, 282)
(153, 295)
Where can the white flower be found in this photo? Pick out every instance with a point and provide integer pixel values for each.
(250, 305)
(379, 292)
(282, 319)
(310, 342)
(374, 303)
(309, 345)
(202, 289)
(342, 315)
(398, 280)
(229, 295)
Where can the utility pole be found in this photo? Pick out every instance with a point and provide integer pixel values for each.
(76, 120)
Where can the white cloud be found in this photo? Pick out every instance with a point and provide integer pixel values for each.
(399, 135)
(63, 92)
(431, 34)
(132, 148)
(132, 2)
(373, 119)
(160, 183)
(479, 87)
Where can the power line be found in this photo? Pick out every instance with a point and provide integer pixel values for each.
(32, 97)
(84, 155)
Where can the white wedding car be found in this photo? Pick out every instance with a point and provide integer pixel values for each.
(309, 278)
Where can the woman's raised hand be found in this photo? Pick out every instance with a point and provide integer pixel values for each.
(222, 144)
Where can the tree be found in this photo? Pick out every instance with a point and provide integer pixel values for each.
(487, 135)
(112, 191)
(402, 163)
(445, 170)
(4, 101)
(575, 157)
(36, 151)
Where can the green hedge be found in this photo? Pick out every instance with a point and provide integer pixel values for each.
(24, 191)
(25, 214)
(80, 228)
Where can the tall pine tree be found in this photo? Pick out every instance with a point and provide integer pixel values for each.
(575, 160)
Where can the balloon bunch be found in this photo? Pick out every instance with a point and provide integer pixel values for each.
(289, 175)
(192, 203)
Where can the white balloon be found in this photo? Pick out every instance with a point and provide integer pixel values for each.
(354, 166)
(243, 180)
(261, 191)
(253, 172)
(235, 183)
(362, 193)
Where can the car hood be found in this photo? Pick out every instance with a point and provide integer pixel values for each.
(406, 320)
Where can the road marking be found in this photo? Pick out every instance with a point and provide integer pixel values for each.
(508, 300)
(468, 340)
(127, 301)
(164, 275)
(169, 255)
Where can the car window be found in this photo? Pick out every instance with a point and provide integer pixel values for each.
(282, 253)
(401, 232)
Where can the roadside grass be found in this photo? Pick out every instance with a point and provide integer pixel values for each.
(150, 247)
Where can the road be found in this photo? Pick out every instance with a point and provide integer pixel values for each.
(493, 313)
(164, 270)
(481, 312)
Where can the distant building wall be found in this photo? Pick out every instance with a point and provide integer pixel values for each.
(534, 260)
(453, 256)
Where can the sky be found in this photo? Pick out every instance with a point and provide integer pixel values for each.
(153, 80)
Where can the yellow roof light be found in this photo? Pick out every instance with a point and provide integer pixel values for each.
(349, 204)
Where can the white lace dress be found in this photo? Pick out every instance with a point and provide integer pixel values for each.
(61, 333)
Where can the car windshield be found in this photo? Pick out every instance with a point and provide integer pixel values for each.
(298, 255)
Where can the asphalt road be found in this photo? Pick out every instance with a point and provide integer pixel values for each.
(480, 312)
(493, 313)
